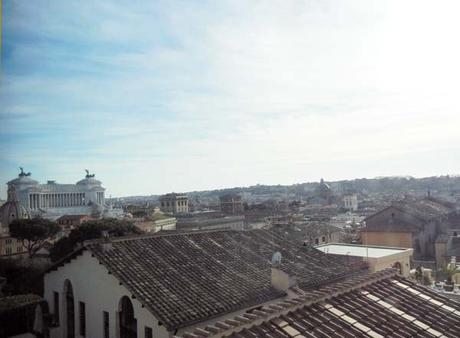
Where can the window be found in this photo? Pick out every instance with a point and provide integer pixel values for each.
(148, 332)
(8, 241)
(82, 319)
(323, 239)
(316, 241)
(8, 251)
(18, 249)
(105, 321)
(56, 306)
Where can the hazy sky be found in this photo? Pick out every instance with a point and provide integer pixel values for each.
(159, 96)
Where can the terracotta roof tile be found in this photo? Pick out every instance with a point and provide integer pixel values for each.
(379, 307)
(186, 278)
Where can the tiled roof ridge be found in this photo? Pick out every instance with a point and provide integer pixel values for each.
(155, 235)
(247, 320)
(422, 208)
(67, 258)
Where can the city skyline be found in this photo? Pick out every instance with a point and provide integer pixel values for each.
(184, 96)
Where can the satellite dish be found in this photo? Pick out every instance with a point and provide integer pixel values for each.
(276, 258)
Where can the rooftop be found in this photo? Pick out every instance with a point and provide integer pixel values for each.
(72, 217)
(173, 195)
(185, 278)
(375, 305)
(425, 208)
(359, 250)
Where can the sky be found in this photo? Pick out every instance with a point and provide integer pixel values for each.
(161, 96)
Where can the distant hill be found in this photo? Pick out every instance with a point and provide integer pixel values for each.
(443, 186)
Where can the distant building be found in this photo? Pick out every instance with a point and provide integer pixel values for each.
(10, 211)
(174, 203)
(323, 195)
(280, 220)
(316, 233)
(228, 222)
(11, 247)
(409, 224)
(447, 246)
(71, 221)
(155, 222)
(350, 202)
(53, 200)
(378, 257)
(231, 204)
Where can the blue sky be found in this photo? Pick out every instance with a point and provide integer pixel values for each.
(159, 96)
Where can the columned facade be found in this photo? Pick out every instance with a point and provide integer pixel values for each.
(53, 200)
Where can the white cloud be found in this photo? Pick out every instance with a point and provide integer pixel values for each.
(195, 95)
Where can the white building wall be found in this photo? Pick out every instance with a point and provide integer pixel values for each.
(350, 202)
(100, 291)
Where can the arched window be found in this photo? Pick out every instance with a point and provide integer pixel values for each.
(127, 322)
(69, 308)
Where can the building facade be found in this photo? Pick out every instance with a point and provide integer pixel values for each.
(378, 257)
(53, 200)
(350, 202)
(227, 222)
(11, 247)
(231, 204)
(73, 221)
(412, 224)
(154, 222)
(174, 203)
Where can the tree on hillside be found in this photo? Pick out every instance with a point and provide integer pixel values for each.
(92, 230)
(33, 233)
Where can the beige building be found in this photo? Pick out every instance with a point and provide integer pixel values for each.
(378, 257)
(11, 247)
(72, 221)
(174, 203)
(350, 202)
(155, 222)
(409, 224)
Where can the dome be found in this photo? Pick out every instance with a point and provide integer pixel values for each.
(23, 180)
(89, 181)
(323, 186)
(12, 210)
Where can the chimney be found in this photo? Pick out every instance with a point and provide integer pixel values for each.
(106, 243)
(281, 280)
